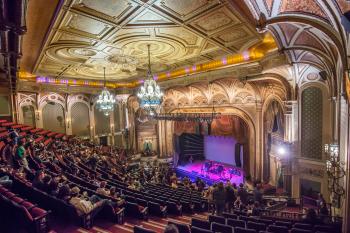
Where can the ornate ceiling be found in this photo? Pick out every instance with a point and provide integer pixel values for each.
(88, 35)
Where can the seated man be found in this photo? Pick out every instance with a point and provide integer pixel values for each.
(82, 205)
(117, 196)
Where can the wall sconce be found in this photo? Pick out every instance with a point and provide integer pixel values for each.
(68, 122)
(37, 115)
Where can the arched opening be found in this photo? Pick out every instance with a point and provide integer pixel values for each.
(53, 117)
(80, 120)
(28, 115)
(102, 125)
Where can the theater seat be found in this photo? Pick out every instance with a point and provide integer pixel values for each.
(157, 210)
(203, 224)
(217, 227)
(134, 210)
(256, 226)
(243, 230)
(199, 230)
(303, 226)
(138, 229)
(229, 215)
(298, 230)
(183, 228)
(283, 223)
(236, 223)
(217, 219)
(277, 229)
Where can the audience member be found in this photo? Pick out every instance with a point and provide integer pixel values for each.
(219, 197)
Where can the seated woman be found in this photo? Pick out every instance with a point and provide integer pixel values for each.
(102, 189)
(83, 205)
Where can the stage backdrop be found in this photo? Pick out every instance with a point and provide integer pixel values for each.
(220, 149)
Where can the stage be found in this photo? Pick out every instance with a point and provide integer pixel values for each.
(210, 175)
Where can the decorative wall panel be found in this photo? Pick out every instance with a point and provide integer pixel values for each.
(53, 117)
(5, 105)
(117, 116)
(102, 125)
(28, 115)
(80, 120)
(311, 123)
(118, 140)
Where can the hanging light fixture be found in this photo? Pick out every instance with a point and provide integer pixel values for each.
(105, 101)
(150, 96)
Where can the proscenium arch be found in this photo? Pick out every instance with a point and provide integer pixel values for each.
(245, 116)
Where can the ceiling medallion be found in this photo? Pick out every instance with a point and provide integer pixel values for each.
(149, 94)
(105, 101)
(124, 62)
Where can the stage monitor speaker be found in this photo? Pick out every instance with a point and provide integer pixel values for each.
(323, 75)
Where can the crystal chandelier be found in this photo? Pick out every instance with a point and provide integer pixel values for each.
(105, 101)
(150, 96)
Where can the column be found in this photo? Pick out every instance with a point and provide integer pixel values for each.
(259, 142)
(160, 138)
(92, 123)
(112, 127)
(68, 123)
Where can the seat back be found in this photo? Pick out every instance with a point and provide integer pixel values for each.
(277, 229)
(217, 219)
(217, 227)
(243, 230)
(199, 230)
(229, 215)
(200, 223)
(183, 228)
(283, 223)
(303, 226)
(138, 229)
(298, 230)
(236, 223)
(256, 226)
(265, 221)
(324, 228)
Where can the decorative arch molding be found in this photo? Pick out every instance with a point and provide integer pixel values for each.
(287, 87)
(79, 98)
(51, 97)
(269, 100)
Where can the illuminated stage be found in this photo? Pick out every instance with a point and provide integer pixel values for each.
(211, 173)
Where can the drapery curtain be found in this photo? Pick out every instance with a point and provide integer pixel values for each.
(185, 127)
(232, 126)
(274, 121)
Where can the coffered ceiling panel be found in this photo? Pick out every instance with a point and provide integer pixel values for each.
(109, 9)
(89, 35)
(215, 21)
